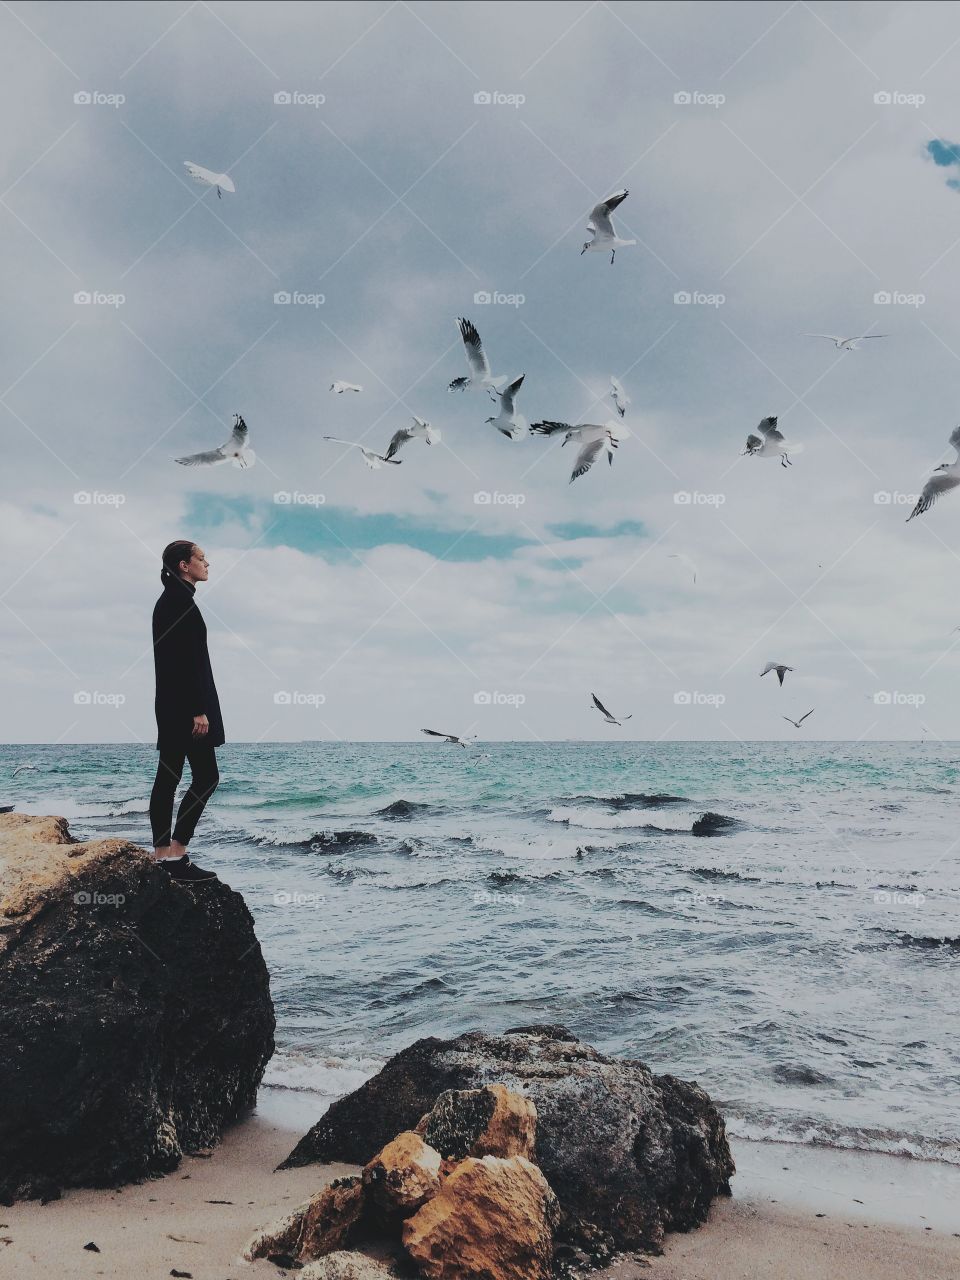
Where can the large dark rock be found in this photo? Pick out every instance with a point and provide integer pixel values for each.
(135, 1012)
(630, 1155)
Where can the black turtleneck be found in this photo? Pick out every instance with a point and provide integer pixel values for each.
(185, 686)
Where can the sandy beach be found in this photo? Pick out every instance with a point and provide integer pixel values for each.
(798, 1214)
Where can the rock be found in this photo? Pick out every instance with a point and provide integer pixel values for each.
(403, 1175)
(346, 1266)
(324, 1224)
(493, 1121)
(492, 1219)
(712, 824)
(135, 1012)
(630, 1155)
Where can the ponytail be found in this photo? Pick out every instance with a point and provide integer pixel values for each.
(172, 555)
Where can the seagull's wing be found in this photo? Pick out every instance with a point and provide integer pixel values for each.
(200, 174)
(508, 395)
(600, 217)
(336, 440)
(435, 733)
(834, 337)
(620, 397)
(803, 717)
(753, 442)
(399, 437)
(458, 384)
(795, 723)
(207, 459)
(586, 458)
(768, 428)
(935, 486)
(771, 666)
(955, 438)
(240, 433)
(599, 705)
(547, 428)
(476, 356)
(863, 336)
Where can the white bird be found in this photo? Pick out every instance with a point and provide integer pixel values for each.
(797, 723)
(23, 766)
(419, 428)
(340, 387)
(845, 344)
(453, 738)
(684, 560)
(592, 438)
(373, 459)
(604, 236)
(222, 181)
(945, 477)
(235, 450)
(618, 395)
(477, 362)
(778, 667)
(508, 421)
(772, 444)
(606, 714)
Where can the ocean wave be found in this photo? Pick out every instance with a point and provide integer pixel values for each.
(712, 824)
(339, 841)
(330, 1076)
(814, 1133)
(921, 941)
(638, 819)
(714, 873)
(628, 800)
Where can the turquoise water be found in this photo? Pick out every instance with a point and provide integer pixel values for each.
(801, 963)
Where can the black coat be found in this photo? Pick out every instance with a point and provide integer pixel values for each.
(185, 685)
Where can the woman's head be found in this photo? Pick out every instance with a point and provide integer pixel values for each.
(185, 560)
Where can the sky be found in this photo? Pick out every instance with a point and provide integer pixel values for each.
(792, 168)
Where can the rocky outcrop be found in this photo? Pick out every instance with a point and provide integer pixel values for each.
(404, 1175)
(481, 1122)
(135, 1012)
(493, 1219)
(629, 1154)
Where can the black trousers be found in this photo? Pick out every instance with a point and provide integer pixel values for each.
(203, 783)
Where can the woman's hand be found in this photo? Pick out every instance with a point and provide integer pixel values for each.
(201, 726)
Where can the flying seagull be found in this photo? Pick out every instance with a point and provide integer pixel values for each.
(453, 738)
(508, 421)
(340, 387)
(797, 723)
(845, 344)
(592, 438)
(23, 766)
(945, 477)
(604, 236)
(779, 668)
(370, 456)
(222, 181)
(606, 714)
(477, 362)
(770, 443)
(618, 395)
(235, 450)
(684, 560)
(400, 438)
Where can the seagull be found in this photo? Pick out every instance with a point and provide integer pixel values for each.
(235, 450)
(605, 713)
(508, 421)
(685, 560)
(370, 456)
(845, 344)
(340, 387)
(453, 738)
(604, 236)
(419, 428)
(619, 396)
(222, 181)
(797, 723)
(479, 365)
(772, 444)
(946, 477)
(23, 766)
(592, 438)
(779, 668)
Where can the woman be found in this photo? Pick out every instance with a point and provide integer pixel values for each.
(189, 725)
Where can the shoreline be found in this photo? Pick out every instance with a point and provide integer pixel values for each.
(883, 1216)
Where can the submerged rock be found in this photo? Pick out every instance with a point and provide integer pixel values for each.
(135, 1012)
(630, 1155)
(712, 824)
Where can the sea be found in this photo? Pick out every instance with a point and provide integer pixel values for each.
(777, 921)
